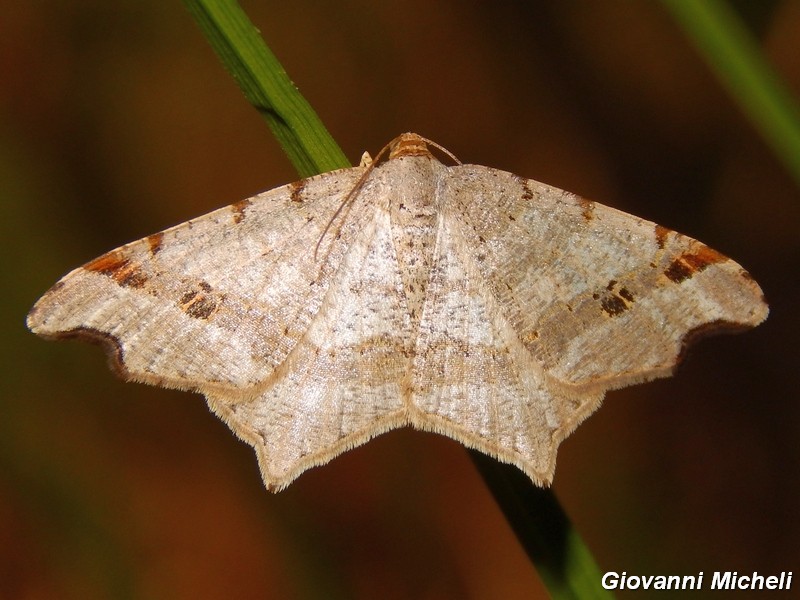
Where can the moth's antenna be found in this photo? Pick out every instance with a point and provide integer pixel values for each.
(351, 195)
(441, 149)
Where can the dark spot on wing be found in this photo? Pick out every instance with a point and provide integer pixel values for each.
(133, 278)
(625, 294)
(188, 297)
(107, 264)
(616, 302)
(613, 305)
(678, 271)
(661, 235)
(119, 268)
(202, 308)
(239, 209)
(295, 190)
(527, 194)
(154, 242)
(689, 263)
(587, 208)
(199, 303)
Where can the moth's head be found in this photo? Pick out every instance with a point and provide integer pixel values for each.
(408, 144)
(412, 144)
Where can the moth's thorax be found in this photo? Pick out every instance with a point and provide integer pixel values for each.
(414, 214)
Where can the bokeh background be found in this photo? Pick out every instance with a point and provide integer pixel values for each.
(117, 121)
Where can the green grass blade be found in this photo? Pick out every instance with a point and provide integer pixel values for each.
(565, 564)
(563, 561)
(733, 53)
(266, 86)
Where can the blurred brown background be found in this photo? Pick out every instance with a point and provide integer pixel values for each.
(116, 121)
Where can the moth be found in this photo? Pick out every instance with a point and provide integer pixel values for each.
(462, 299)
